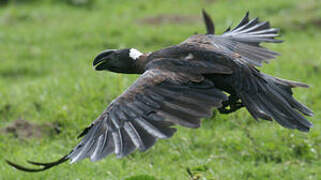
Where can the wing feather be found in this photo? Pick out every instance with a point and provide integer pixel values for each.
(245, 40)
(146, 112)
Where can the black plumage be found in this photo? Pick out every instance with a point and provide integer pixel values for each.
(181, 84)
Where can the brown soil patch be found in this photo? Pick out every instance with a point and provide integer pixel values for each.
(169, 19)
(24, 129)
(210, 1)
(316, 22)
(303, 25)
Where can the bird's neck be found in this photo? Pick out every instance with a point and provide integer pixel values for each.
(141, 62)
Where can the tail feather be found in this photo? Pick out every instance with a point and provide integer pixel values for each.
(284, 88)
(256, 109)
(273, 100)
(284, 82)
(287, 110)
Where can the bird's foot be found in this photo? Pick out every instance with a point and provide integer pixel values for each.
(231, 105)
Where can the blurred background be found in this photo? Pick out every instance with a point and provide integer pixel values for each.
(49, 91)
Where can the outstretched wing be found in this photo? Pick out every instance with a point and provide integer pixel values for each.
(245, 39)
(144, 113)
(147, 111)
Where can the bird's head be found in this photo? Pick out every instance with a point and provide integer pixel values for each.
(119, 61)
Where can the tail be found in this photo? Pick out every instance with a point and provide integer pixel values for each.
(271, 98)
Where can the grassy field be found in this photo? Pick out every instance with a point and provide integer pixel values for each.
(46, 50)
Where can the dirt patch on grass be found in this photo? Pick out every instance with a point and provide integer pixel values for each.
(169, 19)
(210, 1)
(316, 22)
(24, 129)
(302, 25)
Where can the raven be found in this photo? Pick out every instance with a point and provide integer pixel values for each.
(181, 84)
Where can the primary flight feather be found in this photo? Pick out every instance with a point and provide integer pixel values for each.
(181, 84)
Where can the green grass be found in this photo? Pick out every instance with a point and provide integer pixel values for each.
(46, 76)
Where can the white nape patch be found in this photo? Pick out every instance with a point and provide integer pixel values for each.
(190, 56)
(134, 53)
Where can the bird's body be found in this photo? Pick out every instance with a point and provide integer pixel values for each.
(181, 84)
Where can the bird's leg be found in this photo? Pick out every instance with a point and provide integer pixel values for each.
(231, 105)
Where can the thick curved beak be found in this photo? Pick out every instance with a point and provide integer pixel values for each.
(99, 60)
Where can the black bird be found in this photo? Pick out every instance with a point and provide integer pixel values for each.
(181, 84)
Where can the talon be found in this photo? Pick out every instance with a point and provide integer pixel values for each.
(233, 103)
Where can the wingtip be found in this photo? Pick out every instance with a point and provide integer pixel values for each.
(210, 28)
(204, 13)
(22, 168)
(45, 166)
(9, 162)
(278, 41)
(228, 29)
(247, 14)
(310, 114)
(300, 84)
(305, 128)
